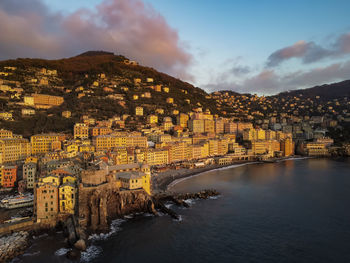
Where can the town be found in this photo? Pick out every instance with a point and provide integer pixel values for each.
(153, 140)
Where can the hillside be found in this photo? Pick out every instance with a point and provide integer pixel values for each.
(75, 81)
(325, 92)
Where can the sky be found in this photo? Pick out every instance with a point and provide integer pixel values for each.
(261, 47)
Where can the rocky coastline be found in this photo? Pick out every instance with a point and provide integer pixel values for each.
(13, 245)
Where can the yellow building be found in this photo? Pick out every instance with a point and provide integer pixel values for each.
(135, 180)
(86, 148)
(106, 142)
(47, 101)
(204, 150)
(139, 111)
(209, 126)
(196, 125)
(5, 115)
(315, 149)
(67, 198)
(14, 149)
(6, 133)
(152, 119)
(120, 155)
(81, 131)
(259, 147)
(31, 159)
(66, 114)
(50, 178)
(42, 143)
(287, 146)
(157, 157)
(182, 120)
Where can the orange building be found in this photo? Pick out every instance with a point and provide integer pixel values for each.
(8, 176)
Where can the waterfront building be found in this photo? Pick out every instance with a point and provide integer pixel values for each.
(157, 156)
(46, 201)
(67, 193)
(287, 146)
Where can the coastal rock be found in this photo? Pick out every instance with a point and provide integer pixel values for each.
(99, 205)
(73, 254)
(80, 244)
(13, 245)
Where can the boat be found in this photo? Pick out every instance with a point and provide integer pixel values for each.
(17, 202)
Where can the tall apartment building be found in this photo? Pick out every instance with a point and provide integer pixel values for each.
(46, 201)
(29, 174)
(287, 146)
(182, 120)
(219, 126)
(81, 131)
(209, 126)
(14, 149)
(196, 125)
(230, 127)
(8, 176)
(44, 143)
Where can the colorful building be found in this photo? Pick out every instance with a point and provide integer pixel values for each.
(8, 176)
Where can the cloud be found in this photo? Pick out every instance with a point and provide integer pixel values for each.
(310, 52)
(269, 82)
(127, 27)
(240, 70)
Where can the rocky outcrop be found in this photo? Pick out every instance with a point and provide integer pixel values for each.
(99, 205)
(13, 245)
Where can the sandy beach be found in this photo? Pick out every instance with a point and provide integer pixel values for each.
(164, 180)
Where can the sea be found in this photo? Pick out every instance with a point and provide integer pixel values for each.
(296, 210)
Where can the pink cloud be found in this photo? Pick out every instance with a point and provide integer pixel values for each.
(127, 27)
(310, 52)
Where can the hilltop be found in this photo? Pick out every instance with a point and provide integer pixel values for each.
(95, 83)
(327, 91)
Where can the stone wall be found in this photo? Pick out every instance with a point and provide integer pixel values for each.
(12, 227)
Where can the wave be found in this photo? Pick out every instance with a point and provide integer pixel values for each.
(90, 253)
(62, 251)
(114, 227)
(31, 254)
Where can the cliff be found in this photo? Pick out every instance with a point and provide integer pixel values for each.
(99, 205)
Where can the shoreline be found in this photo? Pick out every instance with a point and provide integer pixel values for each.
(166, 180)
